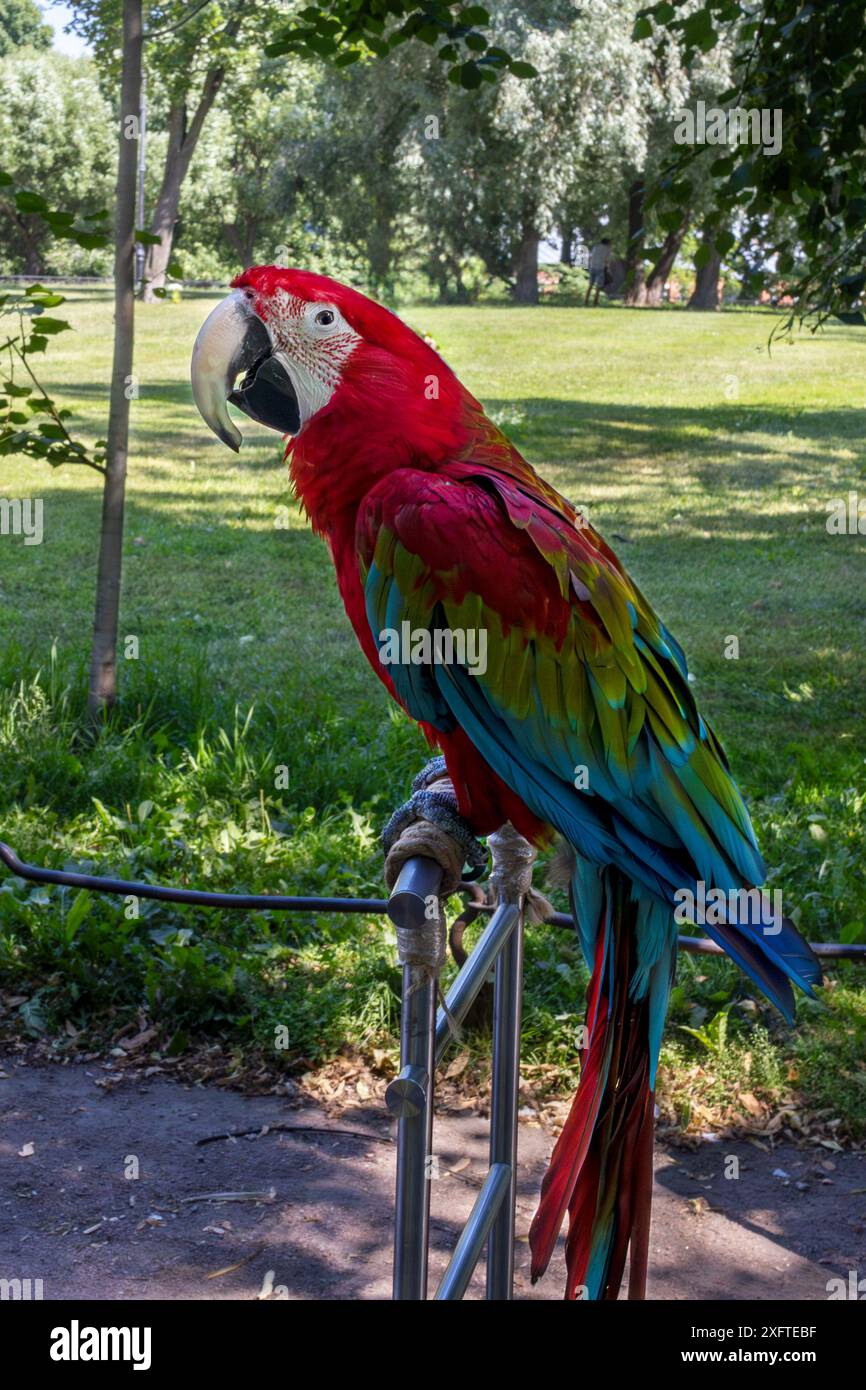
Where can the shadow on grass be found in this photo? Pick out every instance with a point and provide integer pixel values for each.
(559, 431)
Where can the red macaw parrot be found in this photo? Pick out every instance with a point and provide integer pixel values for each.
(582, 720)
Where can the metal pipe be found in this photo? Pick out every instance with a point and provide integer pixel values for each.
(511, 878)
(464, 990)
(414, 1137)
(467, 1251)
(274, 902)
(507, 1001)
(410, 1095)
(416, 888)
(192, 896)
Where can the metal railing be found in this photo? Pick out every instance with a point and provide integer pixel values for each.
(425, 1035)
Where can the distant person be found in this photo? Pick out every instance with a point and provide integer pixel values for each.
(599, 257)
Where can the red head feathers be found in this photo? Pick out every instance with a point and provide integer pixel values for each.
(359, 392)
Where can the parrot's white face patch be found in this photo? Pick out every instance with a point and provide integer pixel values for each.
(312, 342)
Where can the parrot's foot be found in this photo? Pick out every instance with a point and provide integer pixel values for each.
(433, 804)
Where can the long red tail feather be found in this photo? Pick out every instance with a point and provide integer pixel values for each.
(601, 1167)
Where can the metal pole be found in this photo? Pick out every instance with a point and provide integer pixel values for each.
(268, 902)
(512, 876)
(464, 991)
(410, 1095)
(467, 1251)
(142, 168)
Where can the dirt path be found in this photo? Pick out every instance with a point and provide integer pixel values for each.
(70, 1216)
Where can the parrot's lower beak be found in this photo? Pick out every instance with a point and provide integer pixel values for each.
(233, 340)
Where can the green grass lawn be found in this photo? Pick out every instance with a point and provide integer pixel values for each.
(706, 461)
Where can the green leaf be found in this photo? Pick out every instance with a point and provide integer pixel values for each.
(698, 30)
(25, 201)
(77, 913)
(519, 69)
(702, 255)
(670, 219)
(146, 238)
(469, 76)
(744, 176)
(44, 324)
(474, 14)
(90, 241)
(59, 219)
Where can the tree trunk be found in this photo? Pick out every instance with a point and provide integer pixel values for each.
(566, 246)
(33, 264)
(526, 268)
(103, 658)
(635, 287)
(182, 140)
(379, 246)
(661, 270)
(706, 292)
(31, 237)
(241, 237)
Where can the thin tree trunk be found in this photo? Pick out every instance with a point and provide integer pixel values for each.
(241, 237)
(658, 277)
(33, 262)
(566, 246)
(705, 295)
(103, 660)
(182, 141)
(526, 268)
(635, 287)
(379, 249)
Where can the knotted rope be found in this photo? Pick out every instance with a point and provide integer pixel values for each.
(429, 824)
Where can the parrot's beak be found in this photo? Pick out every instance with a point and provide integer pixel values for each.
(234, 340)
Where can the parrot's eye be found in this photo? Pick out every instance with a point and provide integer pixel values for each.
(324, 317)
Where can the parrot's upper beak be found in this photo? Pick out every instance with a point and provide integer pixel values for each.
(232, 340)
